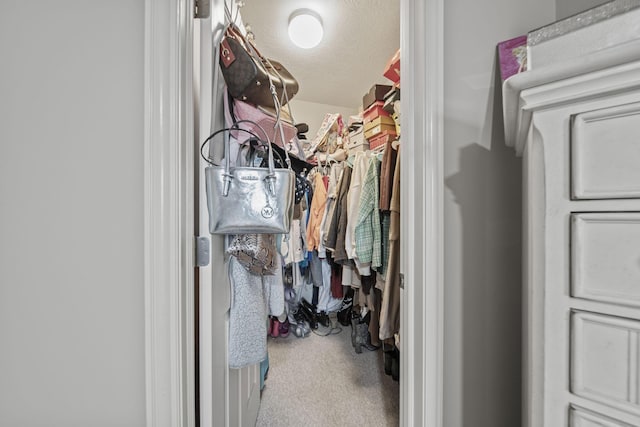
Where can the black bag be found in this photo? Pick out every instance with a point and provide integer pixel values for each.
(248, 74)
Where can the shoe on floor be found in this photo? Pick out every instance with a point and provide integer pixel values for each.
(368, 345)
(275, 329)
(283, 330)
(395, 365)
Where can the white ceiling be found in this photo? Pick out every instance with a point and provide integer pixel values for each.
(360, 36)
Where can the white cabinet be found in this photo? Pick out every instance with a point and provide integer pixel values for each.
(577, 126)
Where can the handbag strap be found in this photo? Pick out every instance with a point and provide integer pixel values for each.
(228, 176)
(233, 31)
(249, 44)
(214, 134)
(278, 107)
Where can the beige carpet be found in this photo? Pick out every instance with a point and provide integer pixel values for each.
(321, 381)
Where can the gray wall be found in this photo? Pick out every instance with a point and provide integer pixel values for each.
(565, 8)
(482, 216)
(71, 213)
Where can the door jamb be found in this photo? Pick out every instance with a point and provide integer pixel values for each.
(422, 184)
(169, 216)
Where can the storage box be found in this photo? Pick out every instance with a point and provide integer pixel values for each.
(374, 131)
(392, 70)
(375, 110)
(384, 120)
(513, 56)
(381, 139)
(357, 141)
(376, 93)
(396, 120)
(391, 96)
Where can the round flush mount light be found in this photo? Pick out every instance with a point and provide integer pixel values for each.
(305, 28)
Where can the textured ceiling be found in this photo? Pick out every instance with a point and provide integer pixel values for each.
(360, 36)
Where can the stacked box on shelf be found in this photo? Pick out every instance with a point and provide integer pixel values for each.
(391, 104)
(379, 126)
(392, 69)
(374, 111)
(390, 98)
(396, 115)
(357, 142)
(396, 120)
(376, 93)
(381, 139)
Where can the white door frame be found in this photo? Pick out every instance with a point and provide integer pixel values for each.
(422, 299)
(169, 214)
(169, 201)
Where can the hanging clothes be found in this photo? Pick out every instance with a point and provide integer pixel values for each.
(292, 248)
(360, 166)
(253, 298)
(367, 232)
(337, 229)
(332, 194)
(336, 281)
(316, 212)
(273, 288)
(390, 308)
(386, 176)
(375, 302)
(385, 221)
(386, 190)
(326, 301)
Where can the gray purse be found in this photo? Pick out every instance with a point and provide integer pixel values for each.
(245, 199)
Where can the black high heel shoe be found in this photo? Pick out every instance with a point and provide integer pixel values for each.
(344, 313)
(395, 365)
(323, 319)
(387, 355)
(309, 312)
(355, 318)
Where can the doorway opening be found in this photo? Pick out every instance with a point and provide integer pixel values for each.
(168, 297)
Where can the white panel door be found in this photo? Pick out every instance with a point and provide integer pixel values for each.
(228, 397)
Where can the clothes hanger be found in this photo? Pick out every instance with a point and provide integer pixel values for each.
(233, 15)
(350, 159)
(378, 152)
(325, 167)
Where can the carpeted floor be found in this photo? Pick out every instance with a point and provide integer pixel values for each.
(322, 382)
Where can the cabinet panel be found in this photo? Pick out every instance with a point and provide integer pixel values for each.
(579, 417)
(605, 153)
(605, 261)
(605, 360)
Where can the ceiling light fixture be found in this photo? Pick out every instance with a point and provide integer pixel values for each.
(305, 28)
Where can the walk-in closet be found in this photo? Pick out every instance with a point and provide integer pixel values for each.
(308, 319)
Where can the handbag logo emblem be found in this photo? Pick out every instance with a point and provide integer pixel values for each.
(267, 211)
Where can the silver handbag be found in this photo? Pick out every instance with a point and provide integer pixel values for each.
(243, 200)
